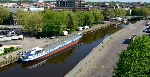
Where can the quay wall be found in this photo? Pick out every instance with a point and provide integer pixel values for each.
(8, 61)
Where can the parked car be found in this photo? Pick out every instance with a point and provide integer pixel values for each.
(52, 37)
(69, 32)
(103, 22)
(147, 24)
(64, 33)
(38, 37)
(86, 27)
(90, 26)
(5, 32)
(1, 36)
(79, 28)
(148, 31)
(32, 35)
(144, 30)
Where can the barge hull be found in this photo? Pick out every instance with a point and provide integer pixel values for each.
(59, 50)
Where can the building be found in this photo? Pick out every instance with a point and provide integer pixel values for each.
(1, 49)
(24, 0)
(61, 3)
(17, 0)
(71, 4)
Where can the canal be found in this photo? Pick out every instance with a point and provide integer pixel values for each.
(60, 64)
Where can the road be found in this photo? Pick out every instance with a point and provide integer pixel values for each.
(101, 63)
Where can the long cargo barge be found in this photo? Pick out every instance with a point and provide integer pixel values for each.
(40, 62)
(38, 53)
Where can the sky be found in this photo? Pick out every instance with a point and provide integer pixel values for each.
(118, 0)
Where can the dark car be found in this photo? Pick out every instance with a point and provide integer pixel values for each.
(5, 32)
(147, 30)
(38, 37)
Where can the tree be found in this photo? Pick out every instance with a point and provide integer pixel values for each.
(134, 61)
(1, 21)
(145, 11)
(35, 22)
(53, 22)
(63, 17)
(80, 18)
(89, 18)
(136, 12)
(32, 22)
(120, 12)
(72, 21)
(110, 13)
(98, 16)
(22, 17)
(128, 13)
(89, 3)
(4, 15)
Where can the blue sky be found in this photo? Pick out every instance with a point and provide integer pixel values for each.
(118, 0)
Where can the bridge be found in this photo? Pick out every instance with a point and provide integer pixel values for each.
(134, 18)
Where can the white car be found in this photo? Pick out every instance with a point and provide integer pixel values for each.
(79, 28)
(86, 27)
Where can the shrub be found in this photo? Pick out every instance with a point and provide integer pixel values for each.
(9, 50)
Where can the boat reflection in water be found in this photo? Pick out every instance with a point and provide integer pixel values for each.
(62, 57)
(54, 59)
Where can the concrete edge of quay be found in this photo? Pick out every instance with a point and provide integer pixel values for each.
(92, 54)
(15, 58)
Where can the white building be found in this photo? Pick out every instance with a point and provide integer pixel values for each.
(1, 49)
(34, 9)
(127, 8)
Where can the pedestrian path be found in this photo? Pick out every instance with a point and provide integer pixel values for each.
(103, 59)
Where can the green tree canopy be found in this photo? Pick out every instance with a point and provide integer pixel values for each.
(80, 18)
(53, 22)
(110, 13)
(136, 12)
(22, 17)
(32, 22)
(98, 16)
(4, 15)
(145, 11)
(128, 13)
(72, 21)
(89, 18)
(135, 60)
(142, 11)
(120, 12)
(49, 22)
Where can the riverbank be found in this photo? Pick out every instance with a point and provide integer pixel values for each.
(100, 62)
(28, 43)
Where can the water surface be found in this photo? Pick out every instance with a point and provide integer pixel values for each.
(61, 64)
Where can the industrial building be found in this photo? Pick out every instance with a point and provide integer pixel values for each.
(71, 4)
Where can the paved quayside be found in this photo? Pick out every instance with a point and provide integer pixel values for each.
(100, 63)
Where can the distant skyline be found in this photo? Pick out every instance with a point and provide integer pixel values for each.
(118, 0)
